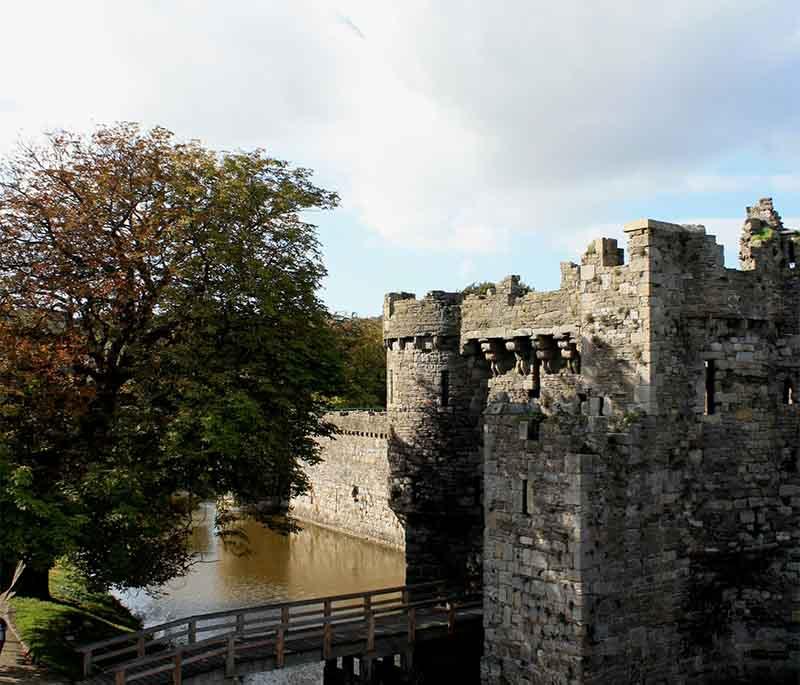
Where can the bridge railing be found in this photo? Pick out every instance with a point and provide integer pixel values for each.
(176, 644)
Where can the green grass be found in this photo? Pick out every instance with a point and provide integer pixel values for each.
(74, 617)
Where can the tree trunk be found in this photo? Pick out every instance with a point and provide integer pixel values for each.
(34, 582)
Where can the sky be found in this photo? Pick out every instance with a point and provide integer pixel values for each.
(468, 139)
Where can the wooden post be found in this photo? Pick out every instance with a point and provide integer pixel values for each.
(119, 677)
(87, 664)
(177, 675)
(192, 632)
(371, 633)
(451, 618)
(240, 624)
(327, 639)
(370, 619)
(140, 646)
(230, 657)
(280, 643)
(412, 625)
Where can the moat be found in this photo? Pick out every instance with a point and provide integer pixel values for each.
(314, 562)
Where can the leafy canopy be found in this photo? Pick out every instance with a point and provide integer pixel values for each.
(160, 335)
(360, 344)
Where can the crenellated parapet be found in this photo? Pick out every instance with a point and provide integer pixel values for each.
(424, 324)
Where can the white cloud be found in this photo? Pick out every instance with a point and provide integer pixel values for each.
(715, 183)
(448, 125)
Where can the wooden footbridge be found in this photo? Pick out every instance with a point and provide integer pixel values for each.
(364, 632)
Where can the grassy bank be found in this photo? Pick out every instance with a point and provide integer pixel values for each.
(74, 617)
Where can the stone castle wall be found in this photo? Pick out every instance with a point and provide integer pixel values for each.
(350, 486)
(632, 440)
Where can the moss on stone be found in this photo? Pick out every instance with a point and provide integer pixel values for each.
(762, 236)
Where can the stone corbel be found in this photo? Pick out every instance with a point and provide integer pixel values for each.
(469, 348)
(493, 354)
(569, 351)
(547, 353)
(521, 349)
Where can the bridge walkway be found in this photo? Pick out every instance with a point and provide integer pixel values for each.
(209, 648)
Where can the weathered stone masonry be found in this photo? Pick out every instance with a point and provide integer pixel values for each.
(350, 486)
(621, 455)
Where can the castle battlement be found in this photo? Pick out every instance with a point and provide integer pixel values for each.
(615, 461)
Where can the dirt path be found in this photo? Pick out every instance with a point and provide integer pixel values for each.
(15, 669)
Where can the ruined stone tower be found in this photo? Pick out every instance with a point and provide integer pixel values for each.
(620, 454)
(434, 404)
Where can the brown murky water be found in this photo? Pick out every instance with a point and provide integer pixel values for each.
(311, 563)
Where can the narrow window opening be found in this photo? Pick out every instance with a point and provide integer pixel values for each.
(788, 391)
(525, 509)
(535, 376)
(533, 430)
(391, 386)
(445, 388)
(710, 400)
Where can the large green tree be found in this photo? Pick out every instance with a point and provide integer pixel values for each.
(161, 340)
(360, 344)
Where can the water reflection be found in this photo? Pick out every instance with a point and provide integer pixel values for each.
(311, 563)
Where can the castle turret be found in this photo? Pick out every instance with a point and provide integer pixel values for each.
(433, 450)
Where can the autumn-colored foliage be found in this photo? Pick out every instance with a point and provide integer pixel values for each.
(160, 333)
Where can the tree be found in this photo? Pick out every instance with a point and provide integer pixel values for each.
(161, 341)
(360, 344)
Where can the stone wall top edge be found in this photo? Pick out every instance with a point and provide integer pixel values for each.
(359, 420)
(654, 224)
